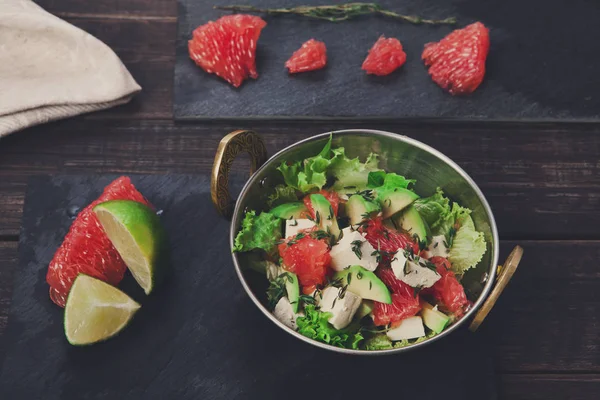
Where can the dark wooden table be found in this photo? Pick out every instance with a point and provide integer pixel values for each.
(542, 180)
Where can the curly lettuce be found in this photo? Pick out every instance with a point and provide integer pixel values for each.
(283, 194)
(350, 174)
(433, 209)
(308, 174)
(468, 246)
(258, 232)
(387, 182)
(379, 342)
(383, 184)
(315, 325)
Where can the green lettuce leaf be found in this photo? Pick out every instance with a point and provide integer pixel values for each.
(283, 194)
(258, 232)
(315, 325)
(351, 175)
(312, 173)
(468, 246)
(376, 179)
(308, 174)
(379, 342)
(433, 209)
(391, 182)
(448, 224)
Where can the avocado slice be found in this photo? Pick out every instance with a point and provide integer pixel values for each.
(324, 216)
(357, 206)
(365, 308)
(364, 283)
(434, 319)
(294, 210)
(395, 200)
(293, 289)
(411, 221)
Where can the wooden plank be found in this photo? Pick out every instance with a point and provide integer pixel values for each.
(8, 264)
(112, 8)
(542, 181)
(147, 48)
(546, 321)
(552, 386)
(547, 318)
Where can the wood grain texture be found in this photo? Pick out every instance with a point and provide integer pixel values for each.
(552, 386)
(541, 183)
(112, 8)
(547, 318)
(146, 47)
(8, 263)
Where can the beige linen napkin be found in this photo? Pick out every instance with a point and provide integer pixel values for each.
(50, 69)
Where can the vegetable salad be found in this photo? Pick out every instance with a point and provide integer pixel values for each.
(355, 258)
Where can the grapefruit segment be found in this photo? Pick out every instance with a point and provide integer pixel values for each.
(86, 249)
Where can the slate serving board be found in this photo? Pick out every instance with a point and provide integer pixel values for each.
(543, 65)
(199, 337)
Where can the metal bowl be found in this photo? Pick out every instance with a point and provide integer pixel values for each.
(397, 153)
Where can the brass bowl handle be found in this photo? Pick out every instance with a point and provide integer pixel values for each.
(504, 275)
(230, 146)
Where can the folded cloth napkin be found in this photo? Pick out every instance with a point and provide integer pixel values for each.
(50, 69)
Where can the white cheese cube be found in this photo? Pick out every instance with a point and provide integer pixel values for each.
(409, 328)
(343, 256)
(295, 226)
(343, 309)
(414, 274)
(283, 312)
(437, 248)
(318, 296)
(398, 262)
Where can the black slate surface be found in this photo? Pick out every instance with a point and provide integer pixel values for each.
(200, 336)
(543, 64)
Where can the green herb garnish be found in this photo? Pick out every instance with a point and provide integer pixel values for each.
(366, 194)
(356, 248)
(295, 239)
(450, 238)
(307, 299)
(276, 290)
(416, 291)
(339, 12)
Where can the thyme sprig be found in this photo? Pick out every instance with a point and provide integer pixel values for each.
(340, 12)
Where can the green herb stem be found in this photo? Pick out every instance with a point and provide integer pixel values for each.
(340, 12)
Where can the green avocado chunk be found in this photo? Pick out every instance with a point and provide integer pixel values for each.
(365, 284)
(295, 210)
(324, 216)
(411, 221)
(395, 200)
(357, 206)
(293, 290)
(434, 319)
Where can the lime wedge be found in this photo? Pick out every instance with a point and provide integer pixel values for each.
(137, 234)
(96, 311)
